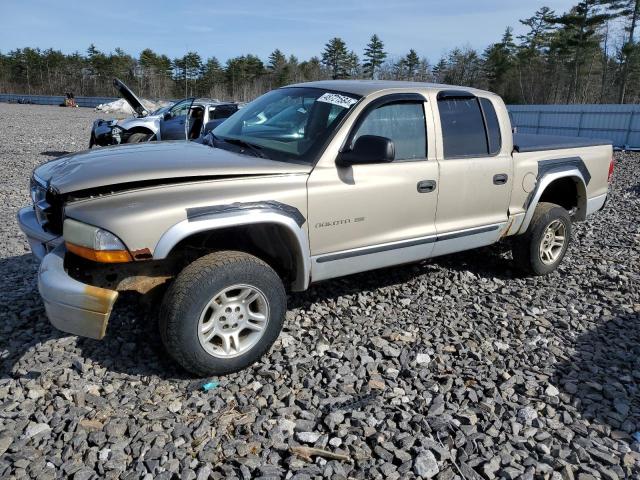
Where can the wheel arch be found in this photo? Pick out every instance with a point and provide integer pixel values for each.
(140, 129)
(273, 236)
(565, 187)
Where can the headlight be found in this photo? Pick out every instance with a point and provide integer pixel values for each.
(38, 191)
(116, 133)
(94, 243)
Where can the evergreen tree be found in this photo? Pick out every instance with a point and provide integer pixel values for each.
(336, 58)
(212, 82)
(440, 70)
(540, 29)
(499, 61)
(411, 64)
(629, 11)
(374, 55)
(533, 62)
(277, 60)
(279, 66)
(579, 36)
(353, 65)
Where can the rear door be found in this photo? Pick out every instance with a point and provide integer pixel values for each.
(475, 173)
(173, 125)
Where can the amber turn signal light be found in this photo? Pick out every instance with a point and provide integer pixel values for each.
(102, 256)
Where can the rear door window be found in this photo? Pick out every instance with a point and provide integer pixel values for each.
(403, 123)
(463, 131)
(223, 112)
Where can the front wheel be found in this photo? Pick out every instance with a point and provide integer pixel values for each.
(542, 247)
(222, 313)
(138, 137)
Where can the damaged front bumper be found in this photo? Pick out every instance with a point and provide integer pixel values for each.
(106, 132)
(72, 306)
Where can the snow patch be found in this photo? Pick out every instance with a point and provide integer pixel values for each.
(122, 106)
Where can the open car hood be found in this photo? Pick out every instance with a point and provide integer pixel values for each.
(156, 163)
(130, 97)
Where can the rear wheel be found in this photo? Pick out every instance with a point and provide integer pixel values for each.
(138, 137)
(222, 313)
(542, 247)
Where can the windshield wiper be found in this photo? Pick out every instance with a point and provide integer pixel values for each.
(255, 149)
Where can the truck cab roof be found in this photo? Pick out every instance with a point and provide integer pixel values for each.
(368, 87)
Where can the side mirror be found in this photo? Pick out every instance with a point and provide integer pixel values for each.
(166, 116)
(368, 149)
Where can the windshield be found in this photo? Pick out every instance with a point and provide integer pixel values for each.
(161, 110)
(288, 123)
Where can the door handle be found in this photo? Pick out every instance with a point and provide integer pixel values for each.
(426, 186)
(500, 179)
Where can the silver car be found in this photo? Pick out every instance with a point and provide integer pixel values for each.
(185, 119)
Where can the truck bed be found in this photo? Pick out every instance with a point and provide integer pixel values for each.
(526, 142)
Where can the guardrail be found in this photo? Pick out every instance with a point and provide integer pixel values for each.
(618, 123)
(90, 102)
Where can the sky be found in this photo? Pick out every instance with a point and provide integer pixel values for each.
(228, 29)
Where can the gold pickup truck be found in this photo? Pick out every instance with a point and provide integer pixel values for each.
(308, 182)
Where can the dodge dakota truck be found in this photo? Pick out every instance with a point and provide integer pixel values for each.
(306, 183)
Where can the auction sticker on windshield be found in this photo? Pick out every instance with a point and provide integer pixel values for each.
(337, 99)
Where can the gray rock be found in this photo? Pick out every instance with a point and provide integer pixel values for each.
(286, 426)
(333, 419)
(308, 437)
(551, 391)
(527, 414)
(36, 429)
(5, 442)
(425, 465)
(423, 359)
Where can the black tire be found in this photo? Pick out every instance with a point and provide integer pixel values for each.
(526, 247)
(138, 137)
(191, 292)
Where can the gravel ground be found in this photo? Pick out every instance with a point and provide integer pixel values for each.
(453, 368)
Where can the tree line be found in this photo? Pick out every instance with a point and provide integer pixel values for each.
(586, 55)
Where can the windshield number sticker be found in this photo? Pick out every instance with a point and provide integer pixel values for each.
(336, 99)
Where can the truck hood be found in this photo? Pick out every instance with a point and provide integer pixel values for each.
(154, 163)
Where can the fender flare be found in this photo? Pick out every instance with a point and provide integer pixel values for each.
(205, 219)
(549, 177)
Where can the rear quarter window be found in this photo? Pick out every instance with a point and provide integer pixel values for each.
(493, 126)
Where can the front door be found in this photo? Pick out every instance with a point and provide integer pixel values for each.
(476, 173)
(173, 124)
(367, 216)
